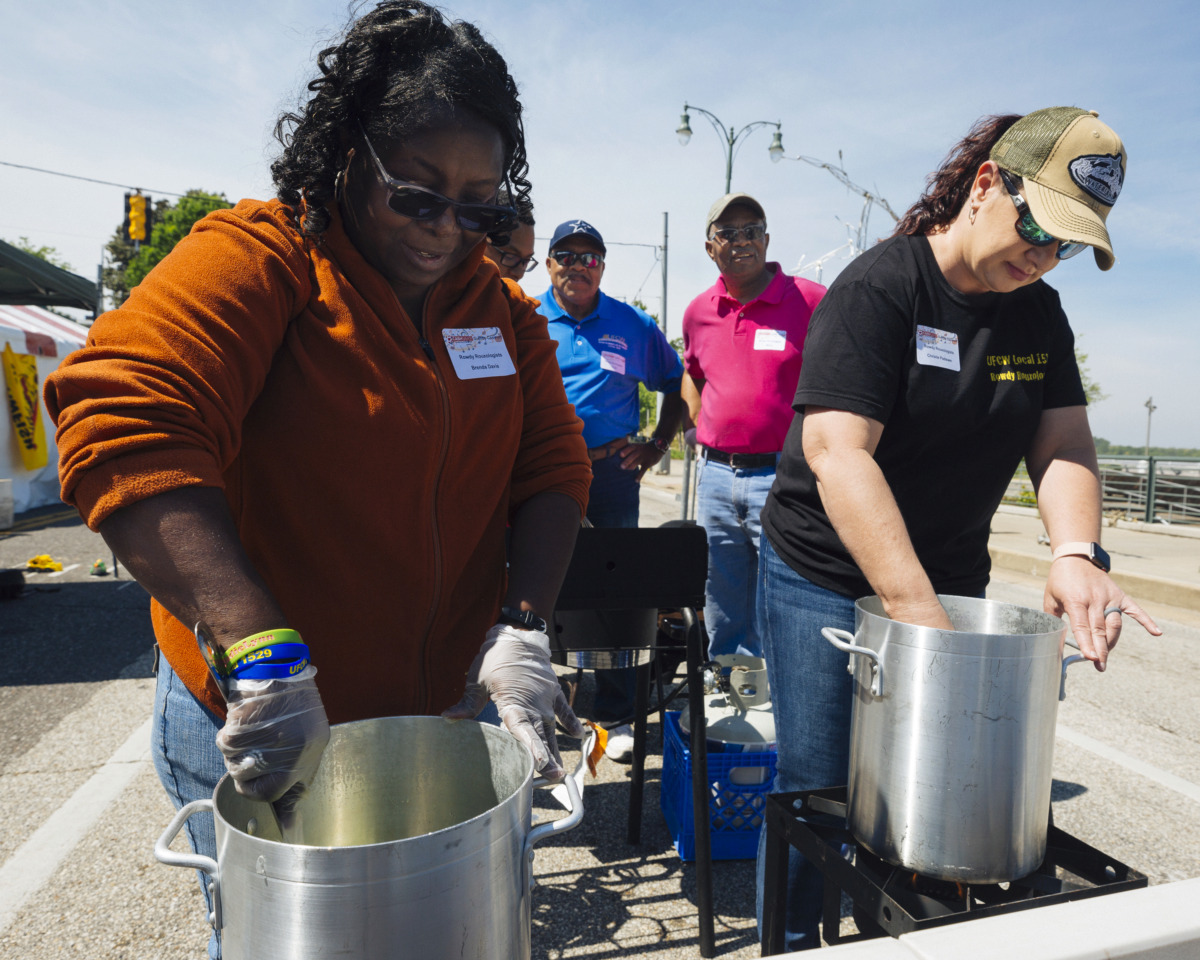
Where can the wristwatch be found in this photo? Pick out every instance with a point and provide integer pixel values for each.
(523, 619)
(660, 444)
(1089, 551)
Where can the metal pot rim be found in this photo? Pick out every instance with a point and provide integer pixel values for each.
(225, 784)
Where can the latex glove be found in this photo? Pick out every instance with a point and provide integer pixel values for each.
(273, 738)
(513, 668)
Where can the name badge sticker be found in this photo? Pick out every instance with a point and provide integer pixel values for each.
(612, 361)
(478, 352)
(937, 348)
(770, 339)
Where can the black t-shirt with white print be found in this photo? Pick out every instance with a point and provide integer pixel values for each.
(959, 383)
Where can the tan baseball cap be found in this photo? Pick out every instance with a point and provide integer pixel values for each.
(1073, 167)
(717, 210)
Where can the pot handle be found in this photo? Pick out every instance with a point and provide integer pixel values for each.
(844, 640)
(205, 865)
(1062, 681)
(573, 782)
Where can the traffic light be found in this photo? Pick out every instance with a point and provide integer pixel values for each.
(137, 218)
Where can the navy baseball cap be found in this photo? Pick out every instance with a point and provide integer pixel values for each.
(576, 228)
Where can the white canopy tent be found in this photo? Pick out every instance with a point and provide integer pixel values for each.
(49, 337)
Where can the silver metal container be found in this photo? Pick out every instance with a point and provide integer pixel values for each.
(414, 840)
(952, 737)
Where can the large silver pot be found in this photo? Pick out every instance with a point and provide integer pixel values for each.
(952, 737)
(414, 840)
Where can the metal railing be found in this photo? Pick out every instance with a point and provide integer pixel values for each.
(1150, 489)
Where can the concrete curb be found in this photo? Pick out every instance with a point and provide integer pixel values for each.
(1149, 589)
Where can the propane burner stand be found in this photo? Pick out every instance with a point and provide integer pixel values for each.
(890, 900)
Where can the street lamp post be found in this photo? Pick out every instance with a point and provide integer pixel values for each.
(1150, 408)
(731, 137)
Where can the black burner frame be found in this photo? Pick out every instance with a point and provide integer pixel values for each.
(885, 897)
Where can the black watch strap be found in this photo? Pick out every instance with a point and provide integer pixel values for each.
(524, 619)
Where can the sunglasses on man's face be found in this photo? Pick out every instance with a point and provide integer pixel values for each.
(1030, 232)
(566, 258)
(751, 232)
(419, 203)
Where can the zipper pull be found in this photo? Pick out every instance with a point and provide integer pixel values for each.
(426, 347)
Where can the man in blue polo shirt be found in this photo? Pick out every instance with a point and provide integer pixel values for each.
(605, 349)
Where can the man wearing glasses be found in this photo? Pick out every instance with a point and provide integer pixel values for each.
(516, 256)
(605, 349)
(742, 344)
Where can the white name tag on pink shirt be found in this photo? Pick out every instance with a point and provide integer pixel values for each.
(478, 352)
(937, 348)
(612, 361)
(770, 339)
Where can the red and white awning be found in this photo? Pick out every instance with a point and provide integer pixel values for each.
(43, 330)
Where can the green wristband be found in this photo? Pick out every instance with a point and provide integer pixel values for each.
(257, 641)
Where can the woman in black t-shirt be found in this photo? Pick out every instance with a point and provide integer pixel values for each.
(935, 363)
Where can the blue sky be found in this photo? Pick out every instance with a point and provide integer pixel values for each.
(170, 97)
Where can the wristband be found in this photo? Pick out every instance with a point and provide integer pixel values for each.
(276, 653)
(258, 640)
(270, 671)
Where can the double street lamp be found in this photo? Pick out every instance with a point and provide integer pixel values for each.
(730, 137)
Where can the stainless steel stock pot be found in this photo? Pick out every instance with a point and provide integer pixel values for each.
(414, 840)
(952, 737)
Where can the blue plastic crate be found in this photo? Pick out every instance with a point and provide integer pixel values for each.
(736, 808)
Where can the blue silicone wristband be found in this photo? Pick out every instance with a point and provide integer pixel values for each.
(271, 671)
(275, 653)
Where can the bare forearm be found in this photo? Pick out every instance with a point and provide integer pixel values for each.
(543, 538)
(669, 416)
(690, 392)
(863, 511)
(183, 548)
(1062, 466)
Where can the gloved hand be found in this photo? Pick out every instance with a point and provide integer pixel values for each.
(513, 668)
(273, 738)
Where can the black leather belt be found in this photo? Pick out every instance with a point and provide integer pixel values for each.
(742, 461)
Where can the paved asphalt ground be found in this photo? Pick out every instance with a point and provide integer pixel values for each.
(80, 806)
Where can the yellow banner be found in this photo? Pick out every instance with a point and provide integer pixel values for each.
(21, 379)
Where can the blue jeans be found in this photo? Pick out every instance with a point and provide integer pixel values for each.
(811, 696)
(613, 501)
(728, 504)
(183, 743)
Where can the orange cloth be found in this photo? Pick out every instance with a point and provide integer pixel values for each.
(369, 484)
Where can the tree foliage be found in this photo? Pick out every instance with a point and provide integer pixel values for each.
(1091, 389)
(49, 254)
(1106, 449)
(170, 224)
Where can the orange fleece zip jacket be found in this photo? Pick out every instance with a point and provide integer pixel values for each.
(370, 485)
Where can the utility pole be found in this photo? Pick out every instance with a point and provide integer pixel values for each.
(664, 275)
(664, 465)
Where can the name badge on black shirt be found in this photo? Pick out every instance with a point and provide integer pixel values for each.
(937, 348)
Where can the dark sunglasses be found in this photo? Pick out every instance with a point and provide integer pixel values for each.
(751, 231)
(419, 203)
(566, 258)
(1030, 232)
(509, 259)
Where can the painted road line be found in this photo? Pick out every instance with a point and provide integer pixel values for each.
(35, 523)
(59, 573)
(1140, 767)
(37, 859)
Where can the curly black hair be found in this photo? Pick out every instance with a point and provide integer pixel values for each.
(397, 69)
(947, 188)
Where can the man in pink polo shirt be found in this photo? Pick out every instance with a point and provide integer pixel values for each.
(742, 345)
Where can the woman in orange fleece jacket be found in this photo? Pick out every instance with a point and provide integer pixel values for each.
(318, 414)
